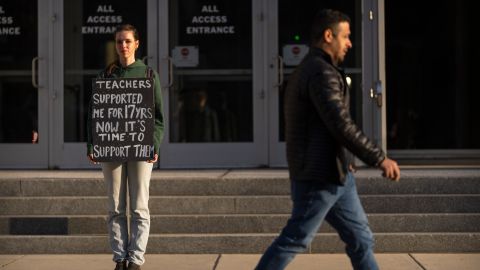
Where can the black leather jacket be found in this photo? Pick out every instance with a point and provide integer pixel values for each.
(319, 128)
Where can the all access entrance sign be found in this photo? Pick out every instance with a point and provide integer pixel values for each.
(122, 119)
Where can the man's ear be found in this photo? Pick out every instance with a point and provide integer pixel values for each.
(328, 35)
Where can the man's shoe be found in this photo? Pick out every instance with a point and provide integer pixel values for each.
(121, 265)
(133, 266)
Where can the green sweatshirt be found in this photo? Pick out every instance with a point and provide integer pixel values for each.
(135, 70)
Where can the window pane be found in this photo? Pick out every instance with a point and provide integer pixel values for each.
(431, 67)
(18, 47)
(211, 99)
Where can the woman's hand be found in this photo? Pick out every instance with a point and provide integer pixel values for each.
(90, 157)
(155, 159)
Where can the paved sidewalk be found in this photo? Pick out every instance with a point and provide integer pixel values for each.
(240, 262)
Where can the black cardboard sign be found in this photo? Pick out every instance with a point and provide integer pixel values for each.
(122, 119)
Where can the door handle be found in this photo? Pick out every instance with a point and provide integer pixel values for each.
(280, 71)
(34, 72)
(377, 93)
(379, 100)
(170, 72)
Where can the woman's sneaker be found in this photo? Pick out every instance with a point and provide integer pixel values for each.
(121, 265)
(133, 266)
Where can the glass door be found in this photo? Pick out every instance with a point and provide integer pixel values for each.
(289, 40)
(211, 68)
(84, 45)
(24, 86)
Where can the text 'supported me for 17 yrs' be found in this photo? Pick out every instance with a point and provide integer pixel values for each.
(123, 116)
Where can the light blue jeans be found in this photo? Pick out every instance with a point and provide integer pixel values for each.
(135, 174)
(312, 203)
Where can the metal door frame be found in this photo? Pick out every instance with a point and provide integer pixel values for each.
(374, 116)
(277, 149)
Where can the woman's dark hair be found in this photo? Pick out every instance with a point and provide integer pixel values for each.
(326, 19)
(126, 27)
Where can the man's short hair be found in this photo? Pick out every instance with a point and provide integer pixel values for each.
(326, 19)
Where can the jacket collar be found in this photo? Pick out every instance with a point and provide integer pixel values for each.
(321, 53)
(325, 56)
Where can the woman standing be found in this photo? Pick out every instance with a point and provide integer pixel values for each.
(135, 174)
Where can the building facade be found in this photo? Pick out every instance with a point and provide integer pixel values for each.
(223, 67)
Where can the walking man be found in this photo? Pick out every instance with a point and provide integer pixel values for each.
(320, 135)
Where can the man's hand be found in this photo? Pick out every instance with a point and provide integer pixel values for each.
(390, 169)
(352, 168)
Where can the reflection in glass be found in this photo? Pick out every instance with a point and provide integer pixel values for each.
(212, 111)
(18, 110)
(432, 75)
(211, 101)
(18, 47)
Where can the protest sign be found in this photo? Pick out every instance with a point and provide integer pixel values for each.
(122, 119)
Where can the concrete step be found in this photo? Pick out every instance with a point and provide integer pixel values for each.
(453, 203)
(238, 243)
(238, 211)
(207, 224)
(269, 182)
